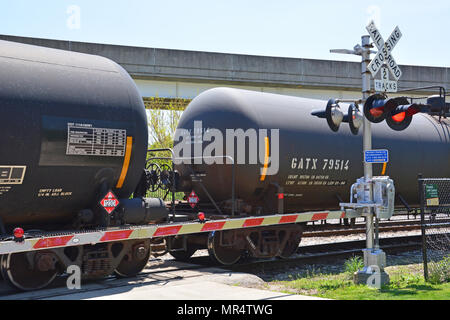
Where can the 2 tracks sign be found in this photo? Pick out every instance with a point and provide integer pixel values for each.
(384, 60)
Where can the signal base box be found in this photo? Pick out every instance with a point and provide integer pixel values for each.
(371, 279)
(373, 274)
(384, 195)
(375, 258)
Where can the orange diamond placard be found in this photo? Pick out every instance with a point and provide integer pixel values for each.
(109, 202)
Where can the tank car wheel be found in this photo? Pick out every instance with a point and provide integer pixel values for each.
(226, 255)
(135, 260)
(291, 245)
(17, 271)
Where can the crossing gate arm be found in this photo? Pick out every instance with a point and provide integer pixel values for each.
(77, 238)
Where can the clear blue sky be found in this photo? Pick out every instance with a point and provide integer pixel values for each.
(288, 28)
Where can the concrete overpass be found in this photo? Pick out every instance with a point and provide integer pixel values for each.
(166, 76)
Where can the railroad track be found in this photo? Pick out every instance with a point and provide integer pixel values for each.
(329, 230)
(329, 252)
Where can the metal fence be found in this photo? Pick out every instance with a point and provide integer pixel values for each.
(435, 217)
(162, 183)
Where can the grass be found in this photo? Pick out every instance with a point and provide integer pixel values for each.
(440, 271)
(406, 283)
(353, 264)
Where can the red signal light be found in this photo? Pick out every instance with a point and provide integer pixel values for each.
(375, 107)
(399, 117)
(201, 216)
(280, 196)
(378, 107)
(377, 112)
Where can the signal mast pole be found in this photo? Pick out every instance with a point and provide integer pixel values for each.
(367, 138)
(364, 51)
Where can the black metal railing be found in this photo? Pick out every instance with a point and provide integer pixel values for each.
(163, 177)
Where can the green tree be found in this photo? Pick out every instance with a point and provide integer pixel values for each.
(161, 126)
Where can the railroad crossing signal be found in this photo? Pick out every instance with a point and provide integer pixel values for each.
(397, 112)
(335, 116)
(384, 55)
(376, 108)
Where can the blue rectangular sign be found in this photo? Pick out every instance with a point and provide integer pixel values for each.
(376, 156)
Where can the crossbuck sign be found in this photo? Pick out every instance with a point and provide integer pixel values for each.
(384, 55)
